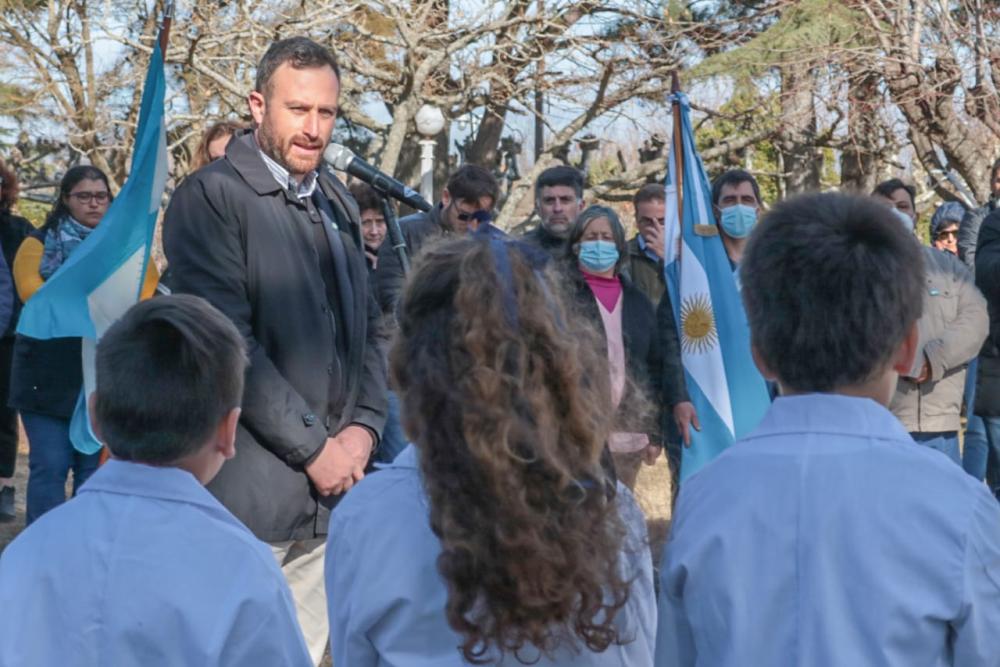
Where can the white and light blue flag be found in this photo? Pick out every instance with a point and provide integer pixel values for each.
(103, 277)
(728, 392)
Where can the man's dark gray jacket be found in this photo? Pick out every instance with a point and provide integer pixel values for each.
(234, 236)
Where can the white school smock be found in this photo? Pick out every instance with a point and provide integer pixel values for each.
(829, 538)
(387, 600)
(144, 567)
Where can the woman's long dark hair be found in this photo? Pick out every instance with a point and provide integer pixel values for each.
(73, 176)
(496, 381)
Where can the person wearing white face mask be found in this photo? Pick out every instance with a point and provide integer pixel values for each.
(953, 326)
(736, 203)
(622, 313)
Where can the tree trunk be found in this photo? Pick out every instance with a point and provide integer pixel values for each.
(803, 162)
(858, 162)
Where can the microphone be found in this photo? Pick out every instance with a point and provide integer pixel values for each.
(342, 158)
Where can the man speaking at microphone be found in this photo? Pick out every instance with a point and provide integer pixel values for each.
(273, 241)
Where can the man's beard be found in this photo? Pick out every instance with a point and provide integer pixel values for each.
(272, 146)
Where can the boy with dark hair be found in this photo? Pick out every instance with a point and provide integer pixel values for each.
(145, 566)
(466, 206)
(827, 537)
(558, 201)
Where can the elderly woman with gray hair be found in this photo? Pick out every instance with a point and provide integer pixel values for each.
(596, 255)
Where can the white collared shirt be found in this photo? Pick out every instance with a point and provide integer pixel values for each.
(302, 189)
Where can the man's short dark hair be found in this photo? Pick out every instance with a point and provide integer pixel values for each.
(649, 192)
(887, 188)
(470, 182)
(299, 52)
(561, 175)
(366, 196)
(168, 372)
(832, 284)
(734, 177)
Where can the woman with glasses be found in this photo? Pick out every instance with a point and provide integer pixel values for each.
(47, 375)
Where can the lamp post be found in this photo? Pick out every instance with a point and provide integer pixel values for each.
(430, 122)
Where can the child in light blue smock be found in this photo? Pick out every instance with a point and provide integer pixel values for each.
(497, 534)
(144, 566)
(828, 537)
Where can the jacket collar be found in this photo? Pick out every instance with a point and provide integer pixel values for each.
(834, 414)
(244, 154)
(408, 458)
(160, 483)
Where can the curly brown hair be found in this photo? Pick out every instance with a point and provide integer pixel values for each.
(10, 188)
(503, 394)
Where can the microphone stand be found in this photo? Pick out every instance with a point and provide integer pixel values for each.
(395, 233)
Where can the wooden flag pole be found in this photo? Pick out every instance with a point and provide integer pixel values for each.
(675, 87)
(168, 19)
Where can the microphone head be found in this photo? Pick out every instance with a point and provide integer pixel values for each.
(338, 156)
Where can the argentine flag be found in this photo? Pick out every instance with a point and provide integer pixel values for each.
(727, 390)
(103, 277)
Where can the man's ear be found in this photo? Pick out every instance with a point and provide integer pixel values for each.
(762, 366)
(902, 362)
(445, 198)
(257, 105)
(225, 435)
(92, 415)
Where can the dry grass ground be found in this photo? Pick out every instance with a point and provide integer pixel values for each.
(9, 530)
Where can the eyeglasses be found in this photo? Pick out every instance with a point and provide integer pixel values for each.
(951, 233)
(481, 215)
(86, 197)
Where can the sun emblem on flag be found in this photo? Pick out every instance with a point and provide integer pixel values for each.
(698, 333)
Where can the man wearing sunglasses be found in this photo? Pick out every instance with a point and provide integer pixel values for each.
(466, 206)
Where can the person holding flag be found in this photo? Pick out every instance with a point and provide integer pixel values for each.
(727, 396)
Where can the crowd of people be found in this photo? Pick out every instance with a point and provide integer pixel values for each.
(312, 449)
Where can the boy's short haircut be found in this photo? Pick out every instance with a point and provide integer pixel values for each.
(168, 372)
(571, 177)
(734, 177)
(649, 192)
(470, 183)
(832, 284)
(887, 188)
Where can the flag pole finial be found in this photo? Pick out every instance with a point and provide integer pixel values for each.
(168, 18)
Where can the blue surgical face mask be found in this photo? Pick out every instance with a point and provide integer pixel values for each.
(738, 220)
(598, 255)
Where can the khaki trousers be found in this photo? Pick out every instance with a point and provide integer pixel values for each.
(301, 562)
